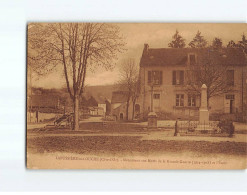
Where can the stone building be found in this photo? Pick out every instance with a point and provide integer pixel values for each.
(119, 106)
(164, 81)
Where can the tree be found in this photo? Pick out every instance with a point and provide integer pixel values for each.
(129, 82)
(243, 44)
(76, 47)
(217, 43)
(198, 41)
(211, 72)
(135, 93)
(178, 41)
(232, 44)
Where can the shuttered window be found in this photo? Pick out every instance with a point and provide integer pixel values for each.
(155, 77)
(230, 77)
(178, 77)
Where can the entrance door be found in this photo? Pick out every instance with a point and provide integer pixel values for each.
(229, 103)
(231, 106)
(121, 116)
(137, 111)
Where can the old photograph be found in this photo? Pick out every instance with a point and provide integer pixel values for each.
(136, 96)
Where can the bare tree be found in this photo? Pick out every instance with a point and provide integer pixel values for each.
(135, 92)
(210, 72)
(129, 79)
(76, 47)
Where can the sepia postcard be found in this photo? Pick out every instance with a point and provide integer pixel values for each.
(136, 96)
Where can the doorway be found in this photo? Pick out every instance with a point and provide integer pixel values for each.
(231, 106)
(121, 116)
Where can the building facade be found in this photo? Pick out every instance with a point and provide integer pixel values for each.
(166, 81)
(119, 106)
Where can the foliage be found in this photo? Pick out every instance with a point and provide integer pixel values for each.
(226, 126)
(178, 41)
(232, 44)
(198, 41)
(243, 44)
(217, 43)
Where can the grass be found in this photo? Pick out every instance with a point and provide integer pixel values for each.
(129, 145)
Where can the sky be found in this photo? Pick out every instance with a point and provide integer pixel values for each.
(157, 35)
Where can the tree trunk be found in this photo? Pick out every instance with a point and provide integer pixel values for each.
(133, 111)
(127, 110)
(76, 113)
(208, 102)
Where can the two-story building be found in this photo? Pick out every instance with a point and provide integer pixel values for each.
(164, 80)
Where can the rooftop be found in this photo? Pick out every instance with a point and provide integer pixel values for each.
(179, 56)
(119, 97)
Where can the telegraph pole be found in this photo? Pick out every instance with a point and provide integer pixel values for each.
(152, 89)
(30, 77)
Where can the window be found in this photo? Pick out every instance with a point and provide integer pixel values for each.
(156, 96)
(191, 100)
(230, 77)
(180, 100)
(192, 59)
(155, 77)
(178, 77)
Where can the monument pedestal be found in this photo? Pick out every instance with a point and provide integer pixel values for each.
(202, 127)
(152, 120)
(203, 116)
(203, 121)
(203, 112)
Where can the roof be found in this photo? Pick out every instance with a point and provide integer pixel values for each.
(45, 101)
(119, 97)
(92, 101)
(179, 56)
(100, 99)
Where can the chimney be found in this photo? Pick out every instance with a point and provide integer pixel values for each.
(145, 50)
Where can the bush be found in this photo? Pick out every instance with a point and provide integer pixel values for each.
(226, 126)
(110, 118)
(220, 116)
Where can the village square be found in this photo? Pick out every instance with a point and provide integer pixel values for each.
(183, 99)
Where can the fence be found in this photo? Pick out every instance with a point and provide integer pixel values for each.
(187, 127)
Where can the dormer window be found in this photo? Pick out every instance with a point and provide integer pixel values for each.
(192, 59)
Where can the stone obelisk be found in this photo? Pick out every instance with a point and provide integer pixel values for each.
(203, 112)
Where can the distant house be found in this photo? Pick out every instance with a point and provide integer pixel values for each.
(119, 106)
(98, 105)
(96, 111)
(44, 103)
(43, 107)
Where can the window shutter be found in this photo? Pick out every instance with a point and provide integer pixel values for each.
(181, 77)
(230, 77)
(149, 76)
(174, 77)
(161, 77)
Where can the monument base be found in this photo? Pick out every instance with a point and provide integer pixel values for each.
(202, 127)
(203, 116)
(152, 121)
